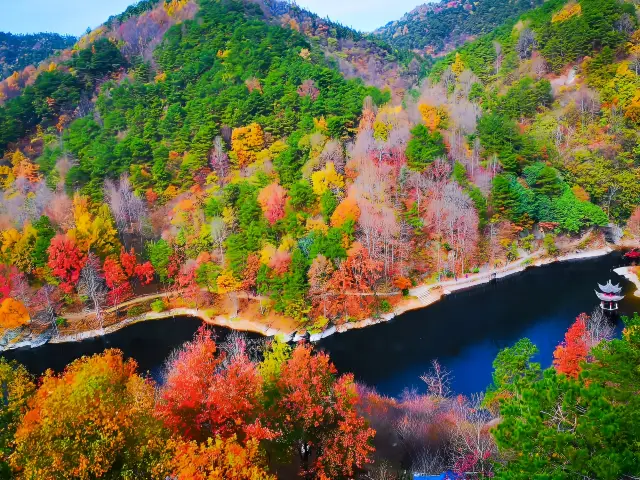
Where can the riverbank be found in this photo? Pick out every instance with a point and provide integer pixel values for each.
(429, 294)
(419, 297)
(221, 321)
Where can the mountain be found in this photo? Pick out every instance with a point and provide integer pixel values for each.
(357, 55)
(253, 164)
(19, 51)
(438, 27)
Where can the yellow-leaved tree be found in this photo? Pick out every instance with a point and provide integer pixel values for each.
(325, 179)
(228, 285)
(458, 66)
(17, 247)
(18, 388)
(432, 116)
(246, 142)
(94, 232)
(95, 420)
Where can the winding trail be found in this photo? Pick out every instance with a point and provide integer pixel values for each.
(420, 297)
(430, 293)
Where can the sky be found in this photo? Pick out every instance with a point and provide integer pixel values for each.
(74, 16)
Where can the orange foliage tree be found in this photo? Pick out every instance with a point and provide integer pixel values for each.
(432, 116)
(347, 210)
(246, 142)
(94, 420)
(13, 313)
(217, 459)
(573, 351)
(352, 285)
(402, 283)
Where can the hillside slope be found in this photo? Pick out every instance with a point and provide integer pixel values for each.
(208, 151)
(565, 77)
(432, 28)
(356, 55)
(19, 51)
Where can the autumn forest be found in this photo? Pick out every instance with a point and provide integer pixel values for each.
(254, 165)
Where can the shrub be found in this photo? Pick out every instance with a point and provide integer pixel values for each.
(385, 306)
(550, 244)
(135, 311)
(158, 305)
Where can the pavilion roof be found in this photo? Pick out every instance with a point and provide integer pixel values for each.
(610, 288)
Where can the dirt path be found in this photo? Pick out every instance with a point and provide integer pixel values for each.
(424, 292)
(420, 297)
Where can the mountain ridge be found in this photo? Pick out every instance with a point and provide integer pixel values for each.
(19, 51)
(433, 28)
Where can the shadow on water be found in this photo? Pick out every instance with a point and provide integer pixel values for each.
(464, 331)
(149, 343)
(467, 329)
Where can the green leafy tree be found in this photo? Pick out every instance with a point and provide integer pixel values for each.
(499, 136)
(424, 147)
(301, 195)
(328, 204)
(159, 253)
(503, 199)
(555, 426)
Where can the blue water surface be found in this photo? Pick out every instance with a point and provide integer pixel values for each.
(466, 330)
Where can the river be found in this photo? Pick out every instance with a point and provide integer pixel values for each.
(464, 331)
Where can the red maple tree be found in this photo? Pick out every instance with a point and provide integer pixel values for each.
(114, 275)
(66, 261)
(145, 273)
(315, 410)
(7, 275)
(573, 351)
(128, 261)
(207, 393)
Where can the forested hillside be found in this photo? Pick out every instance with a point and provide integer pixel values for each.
(563, 79)
(249, 162)
(20, 51)
(435, 27)
(224, 159)
(356, 55)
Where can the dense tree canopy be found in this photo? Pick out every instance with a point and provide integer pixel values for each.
(562, 425)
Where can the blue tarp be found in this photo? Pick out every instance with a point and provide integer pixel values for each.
(443, 476)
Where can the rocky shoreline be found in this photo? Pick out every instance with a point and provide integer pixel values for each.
(420, 297)
(630, 275)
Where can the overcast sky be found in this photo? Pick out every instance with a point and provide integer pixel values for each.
(74, 16)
